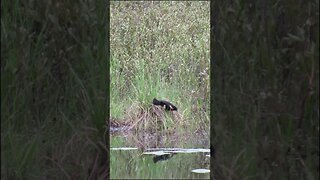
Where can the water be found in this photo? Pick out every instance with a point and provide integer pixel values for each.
(159, 156)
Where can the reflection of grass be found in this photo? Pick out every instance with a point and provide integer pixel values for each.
(161, 49)
(131, 165)
(53, 81)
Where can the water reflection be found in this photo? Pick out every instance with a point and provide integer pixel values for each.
(162, 157)
(144, 154)
(133, 164)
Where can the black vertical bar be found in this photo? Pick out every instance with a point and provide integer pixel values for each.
(107, 20)
(213, 25)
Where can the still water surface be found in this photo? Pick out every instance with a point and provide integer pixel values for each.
(159, 157)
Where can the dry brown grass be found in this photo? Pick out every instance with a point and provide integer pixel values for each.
(149, 119)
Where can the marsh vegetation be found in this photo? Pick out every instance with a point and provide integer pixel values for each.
(159, 50)
(53, 89)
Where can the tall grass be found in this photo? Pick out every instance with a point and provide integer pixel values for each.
(266, 91)
(160, 50)
(53, 83)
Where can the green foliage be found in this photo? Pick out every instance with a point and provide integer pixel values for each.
(160, 50)
(53, 87)
(266, 90)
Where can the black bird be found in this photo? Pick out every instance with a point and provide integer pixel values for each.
(167, 105)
